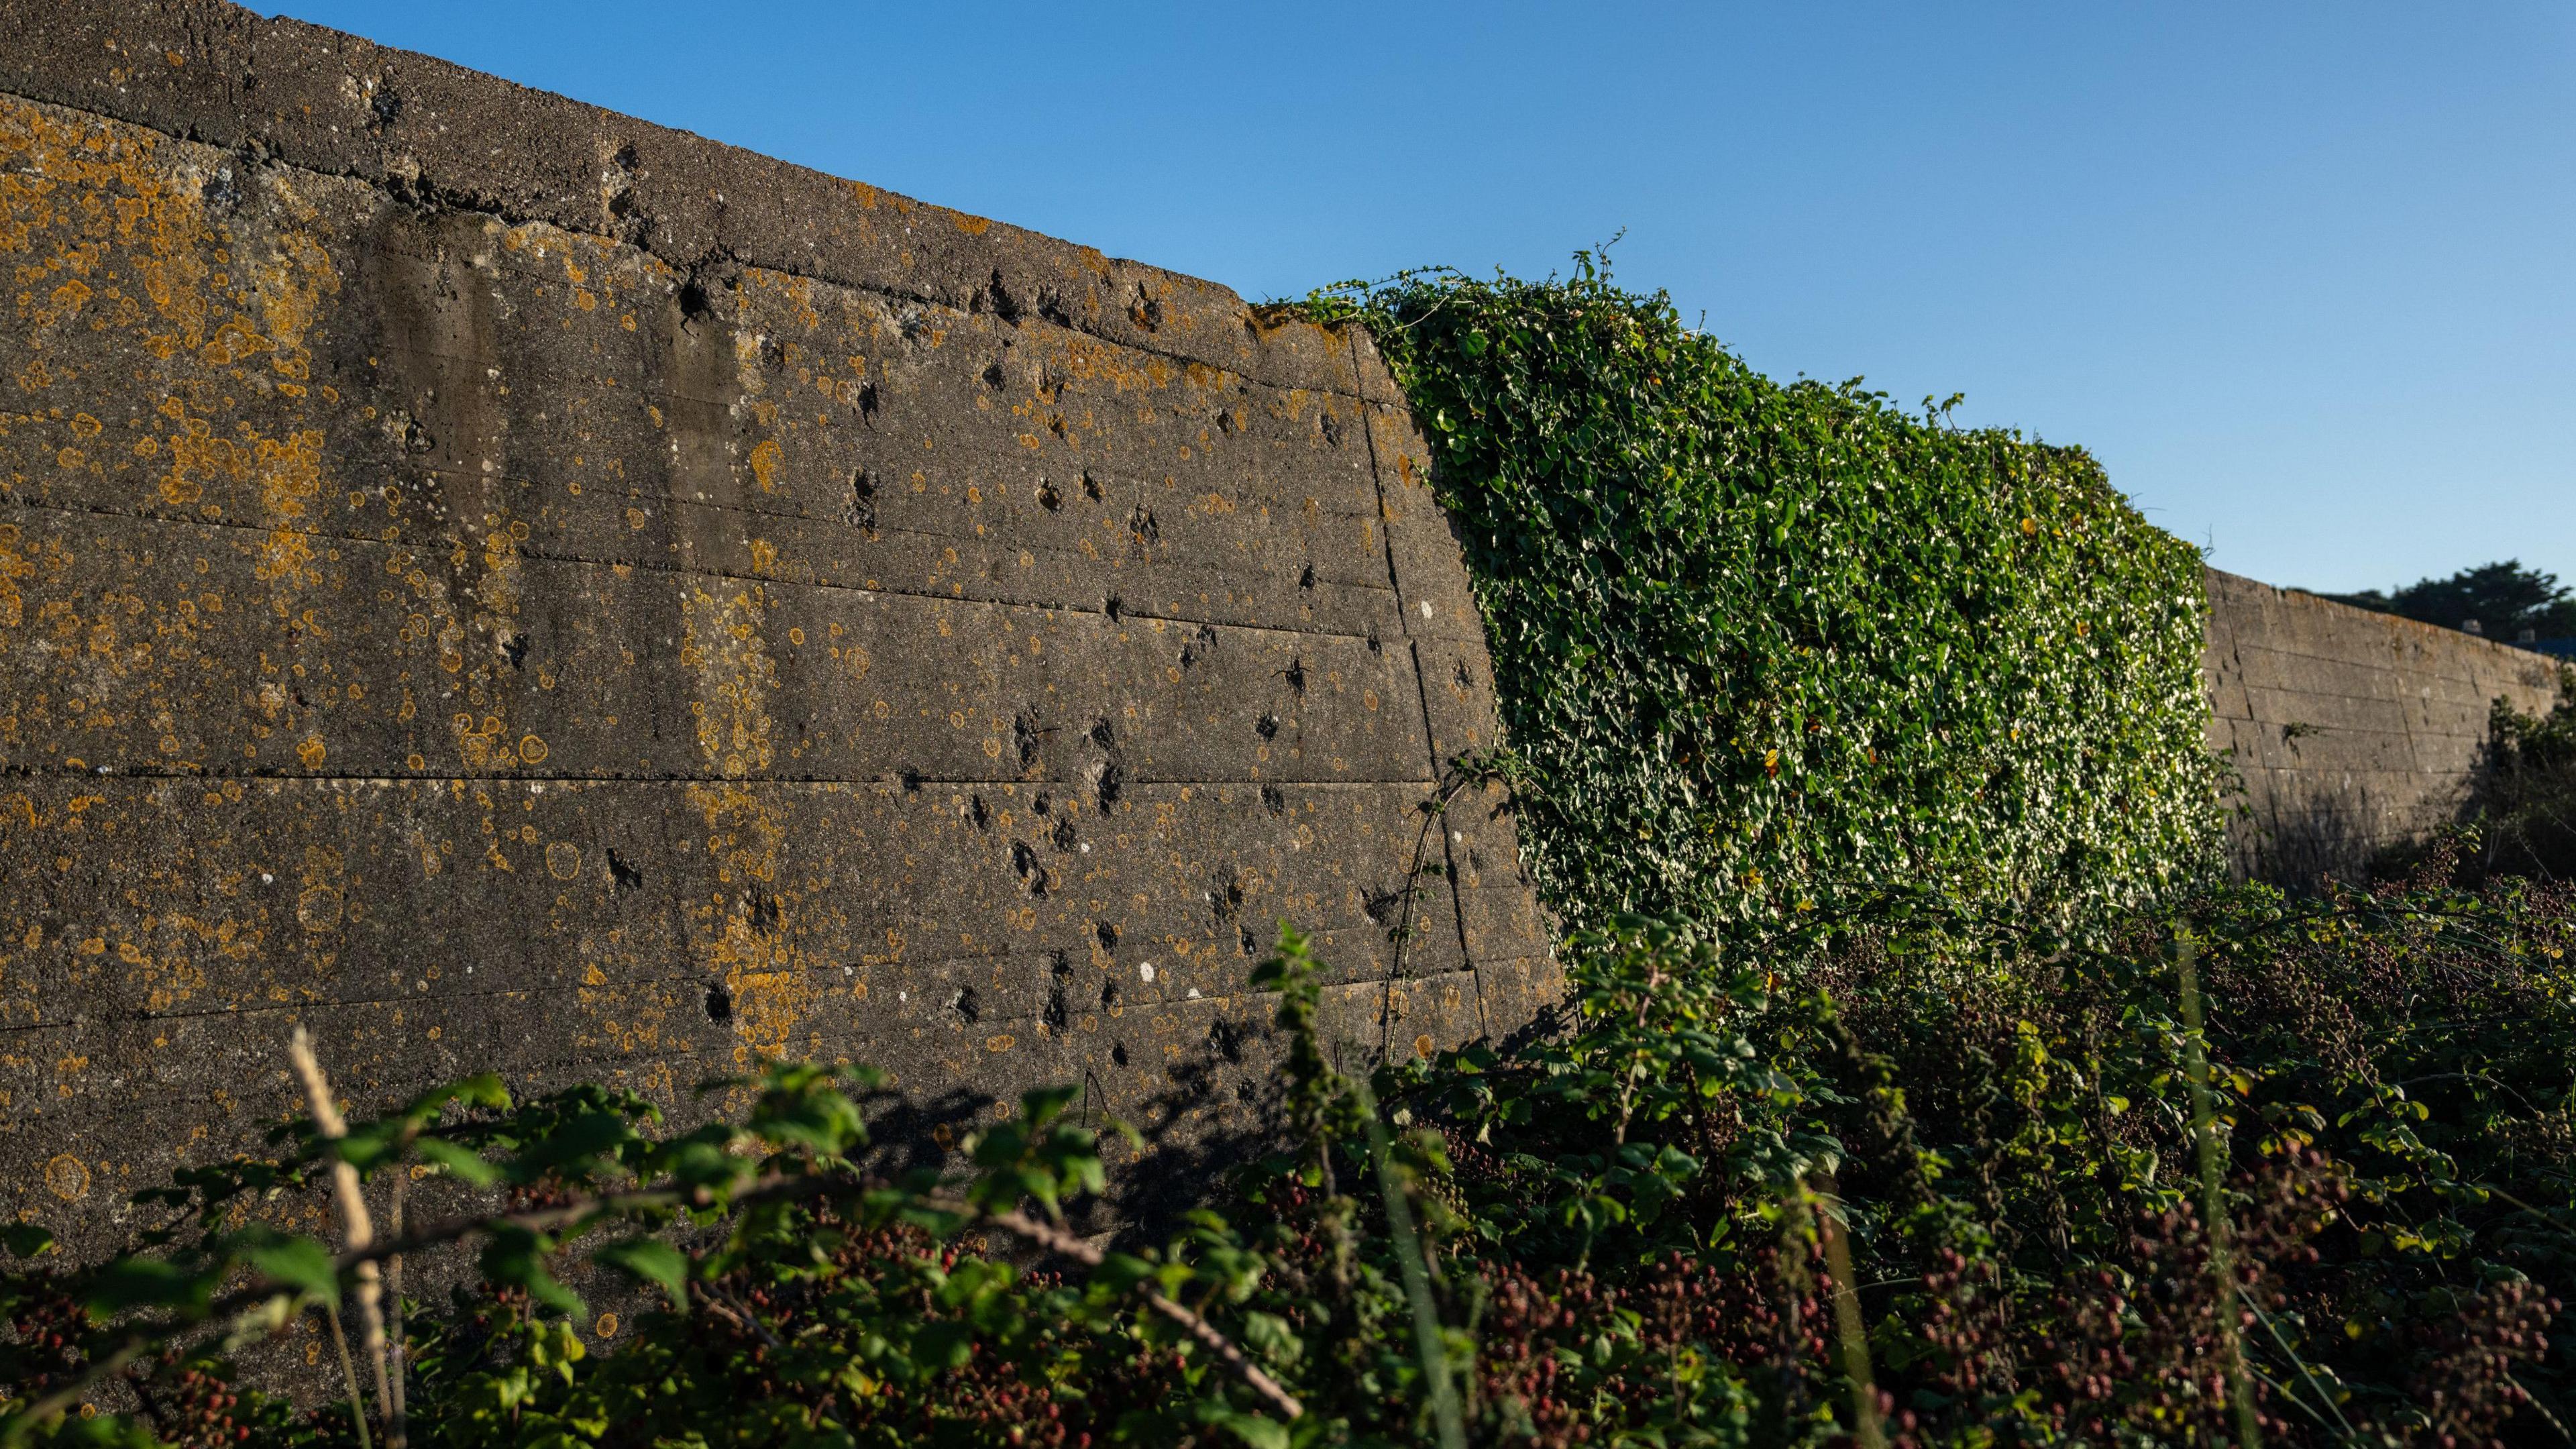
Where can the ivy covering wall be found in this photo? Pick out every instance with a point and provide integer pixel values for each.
(1763, 645)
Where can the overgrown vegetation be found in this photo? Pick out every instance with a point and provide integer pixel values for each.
(1633, 1234)
(1918, 1084)
(1761, 644)
(2526, 800)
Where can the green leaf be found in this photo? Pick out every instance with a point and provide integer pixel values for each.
(462, 1163)
(25, 1240)
(651, 1260)
(300, 1263)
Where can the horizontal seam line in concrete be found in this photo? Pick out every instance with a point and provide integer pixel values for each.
(271, 1009)
(892, 782)
(92, 510)
(505, 214)
(1123, 611)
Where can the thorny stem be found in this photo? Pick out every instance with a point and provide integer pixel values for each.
(349, 1371)
(1433, 812)
(393, 1292)
(780, 1187)
(1056, 1240)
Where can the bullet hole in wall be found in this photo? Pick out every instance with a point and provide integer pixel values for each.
(967, 1004)
(863, 500)
(997, 299)
(695, 305)
(719, 1002)
(627, 877)
(1118, 1053)
(1106, 934)
(1274, 800)
(1226, 1040)
(1198, 646)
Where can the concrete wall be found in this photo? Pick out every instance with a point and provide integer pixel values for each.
(517, 588)
(2354, 731)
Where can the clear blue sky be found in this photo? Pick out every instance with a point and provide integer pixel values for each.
(2302, 275)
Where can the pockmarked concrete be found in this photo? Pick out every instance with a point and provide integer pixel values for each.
(2353, 731)
(515, 588)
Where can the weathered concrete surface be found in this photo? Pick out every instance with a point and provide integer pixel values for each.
(517, 588)
(2354, 731)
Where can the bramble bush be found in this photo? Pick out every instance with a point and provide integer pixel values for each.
(1908, 1197)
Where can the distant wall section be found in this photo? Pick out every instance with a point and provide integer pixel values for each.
(2354, 731)
(516, 588)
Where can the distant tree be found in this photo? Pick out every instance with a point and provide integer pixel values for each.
(2505, 598)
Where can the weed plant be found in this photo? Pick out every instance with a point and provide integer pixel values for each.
(1632, 1231)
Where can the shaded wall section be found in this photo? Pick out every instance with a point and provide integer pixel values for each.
(515, 588)
(2354, 731)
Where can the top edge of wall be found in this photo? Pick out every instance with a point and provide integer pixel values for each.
(442, 137)
(2504, 653)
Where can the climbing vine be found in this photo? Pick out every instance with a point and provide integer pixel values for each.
(1760, 643)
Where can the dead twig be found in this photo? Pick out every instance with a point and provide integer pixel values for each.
(358, 1233)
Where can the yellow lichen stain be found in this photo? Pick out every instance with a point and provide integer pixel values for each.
(67, 1177)
(721, 641)
(746, 927)
(319, 909)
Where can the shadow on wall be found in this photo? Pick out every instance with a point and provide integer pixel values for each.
(2355, 733)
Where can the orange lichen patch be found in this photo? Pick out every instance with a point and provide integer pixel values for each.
(971, 225)
(746, 929)
(722, 644)
(764, 463)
